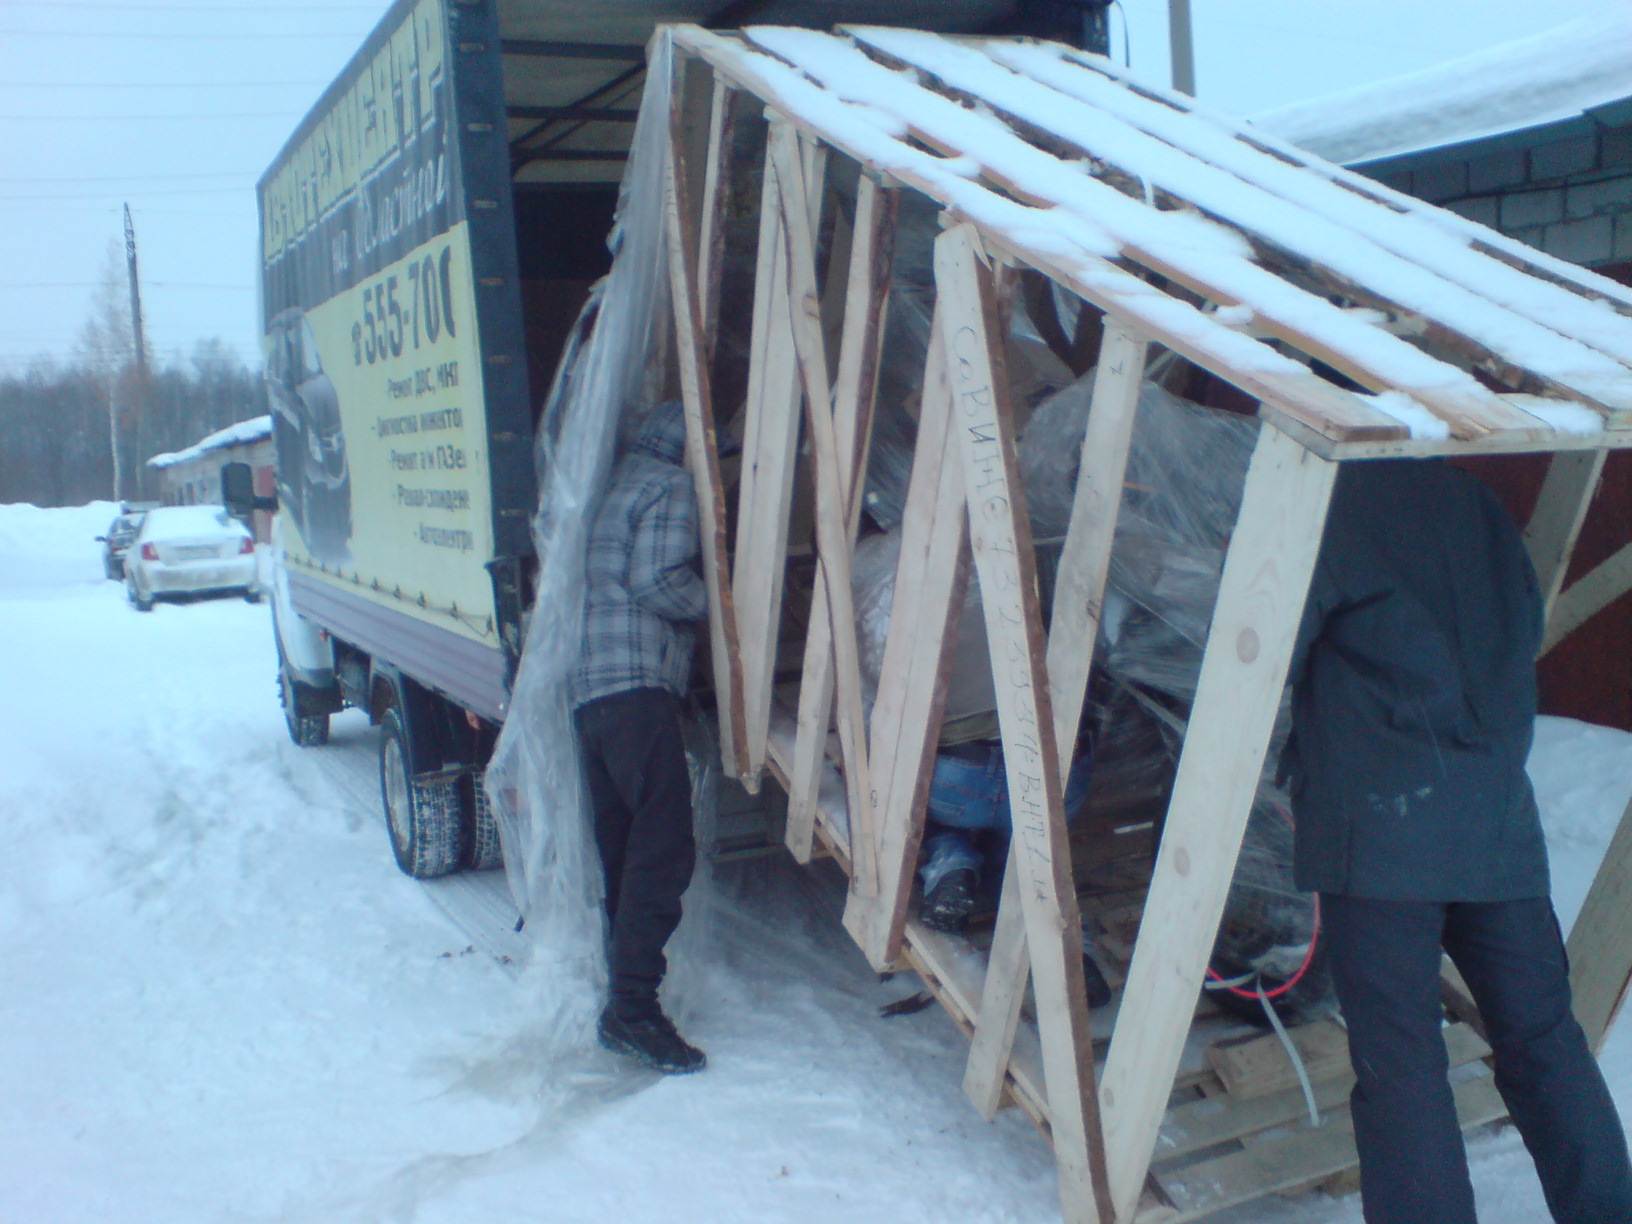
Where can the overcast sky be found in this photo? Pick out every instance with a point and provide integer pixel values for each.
(177, 106)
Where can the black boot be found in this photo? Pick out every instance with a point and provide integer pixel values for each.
(649, 1038)
(948, 905)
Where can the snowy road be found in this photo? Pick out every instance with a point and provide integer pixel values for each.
(222, 1002)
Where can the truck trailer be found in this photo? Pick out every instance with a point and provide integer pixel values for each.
(430, 235)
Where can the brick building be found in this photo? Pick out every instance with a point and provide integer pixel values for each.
(1534, 139)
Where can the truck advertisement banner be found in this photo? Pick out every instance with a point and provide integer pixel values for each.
(371, 342)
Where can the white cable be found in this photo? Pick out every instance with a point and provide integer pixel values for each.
(1292, 1053)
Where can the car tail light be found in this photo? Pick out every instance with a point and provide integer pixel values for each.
(247, 545)
(149, 553)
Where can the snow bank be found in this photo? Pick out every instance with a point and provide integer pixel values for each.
(45, 548)
(1542, 79)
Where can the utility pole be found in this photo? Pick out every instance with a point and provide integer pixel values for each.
(121, 423)
(135, 296)
(1182, 47)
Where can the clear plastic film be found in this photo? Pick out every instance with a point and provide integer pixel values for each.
(612, 367)
(1182, 492)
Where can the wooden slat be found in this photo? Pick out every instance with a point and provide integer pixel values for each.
(1260, 600)
(1555, 523)
(1079, 590)
(930, 583)
(1258, 1066)
(702, 450)
(1149, 112)
(834, 540)
(1208, 1186)
(1326, 410)
(1008, 967)
(1301, 239)
(1600, 952)
(945, 963)
(1281, 307)
(1000, 538)
(770, 443)
(716, 195)
(1206, 1123)
(867, 295)
(1589, 595)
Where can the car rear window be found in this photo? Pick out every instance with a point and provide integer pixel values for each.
(169, 522)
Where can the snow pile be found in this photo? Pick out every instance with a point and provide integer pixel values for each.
(1542, 79)
(46, 548)
(252, 430)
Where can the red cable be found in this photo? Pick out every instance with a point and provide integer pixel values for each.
(1309, 956)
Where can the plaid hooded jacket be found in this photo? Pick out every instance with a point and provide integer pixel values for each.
(643, 586)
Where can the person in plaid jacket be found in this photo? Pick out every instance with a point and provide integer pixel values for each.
(644, 593)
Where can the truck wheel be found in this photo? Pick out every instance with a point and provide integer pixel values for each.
(307, 730)
(424, 815)
(486, 852)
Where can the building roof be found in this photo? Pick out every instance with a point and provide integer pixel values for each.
(1567, 73)
(243, 433)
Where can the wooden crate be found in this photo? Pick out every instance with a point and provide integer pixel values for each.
(1363, 324)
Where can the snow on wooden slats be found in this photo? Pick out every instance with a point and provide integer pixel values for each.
(1564, 364)
(1573, 277)
(1068, 249)
(1207, 258)
(1410, 235)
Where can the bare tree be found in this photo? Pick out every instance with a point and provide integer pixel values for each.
(107, 350)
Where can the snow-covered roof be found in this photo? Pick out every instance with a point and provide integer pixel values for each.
(252, 430)
(1556, 75)
(1141, 202)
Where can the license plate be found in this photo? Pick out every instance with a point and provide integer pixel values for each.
(195, 552)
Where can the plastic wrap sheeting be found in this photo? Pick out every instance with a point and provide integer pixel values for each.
(534, 779)
(1186, 469)
(969, 688)
(1035, 373)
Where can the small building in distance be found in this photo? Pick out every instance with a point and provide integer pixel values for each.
(1532, 138)
(192, 477)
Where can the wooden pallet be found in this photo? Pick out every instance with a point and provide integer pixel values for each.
(1362, 325)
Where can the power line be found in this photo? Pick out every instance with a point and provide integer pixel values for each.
(59, 5)
(283, 114)
(97, 284)
(162, 84)
(195, 34)
(113, 192)
(131, 178)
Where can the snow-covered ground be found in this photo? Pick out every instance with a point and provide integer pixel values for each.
(222, 1002)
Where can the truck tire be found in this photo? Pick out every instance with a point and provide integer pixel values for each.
(424, 815)
(486, 852)
(307, 730)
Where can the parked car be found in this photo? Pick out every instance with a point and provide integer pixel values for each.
(190, 550)
(117, 542)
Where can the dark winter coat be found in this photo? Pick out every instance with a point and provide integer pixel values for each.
(1414, 694)
(643, 588)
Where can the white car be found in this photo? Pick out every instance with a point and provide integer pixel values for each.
(190, 550)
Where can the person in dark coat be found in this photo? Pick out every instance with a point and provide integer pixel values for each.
(1414, 701)
(643, 593)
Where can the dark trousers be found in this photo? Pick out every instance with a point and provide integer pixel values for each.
(635, 765)
(1413, 1167)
